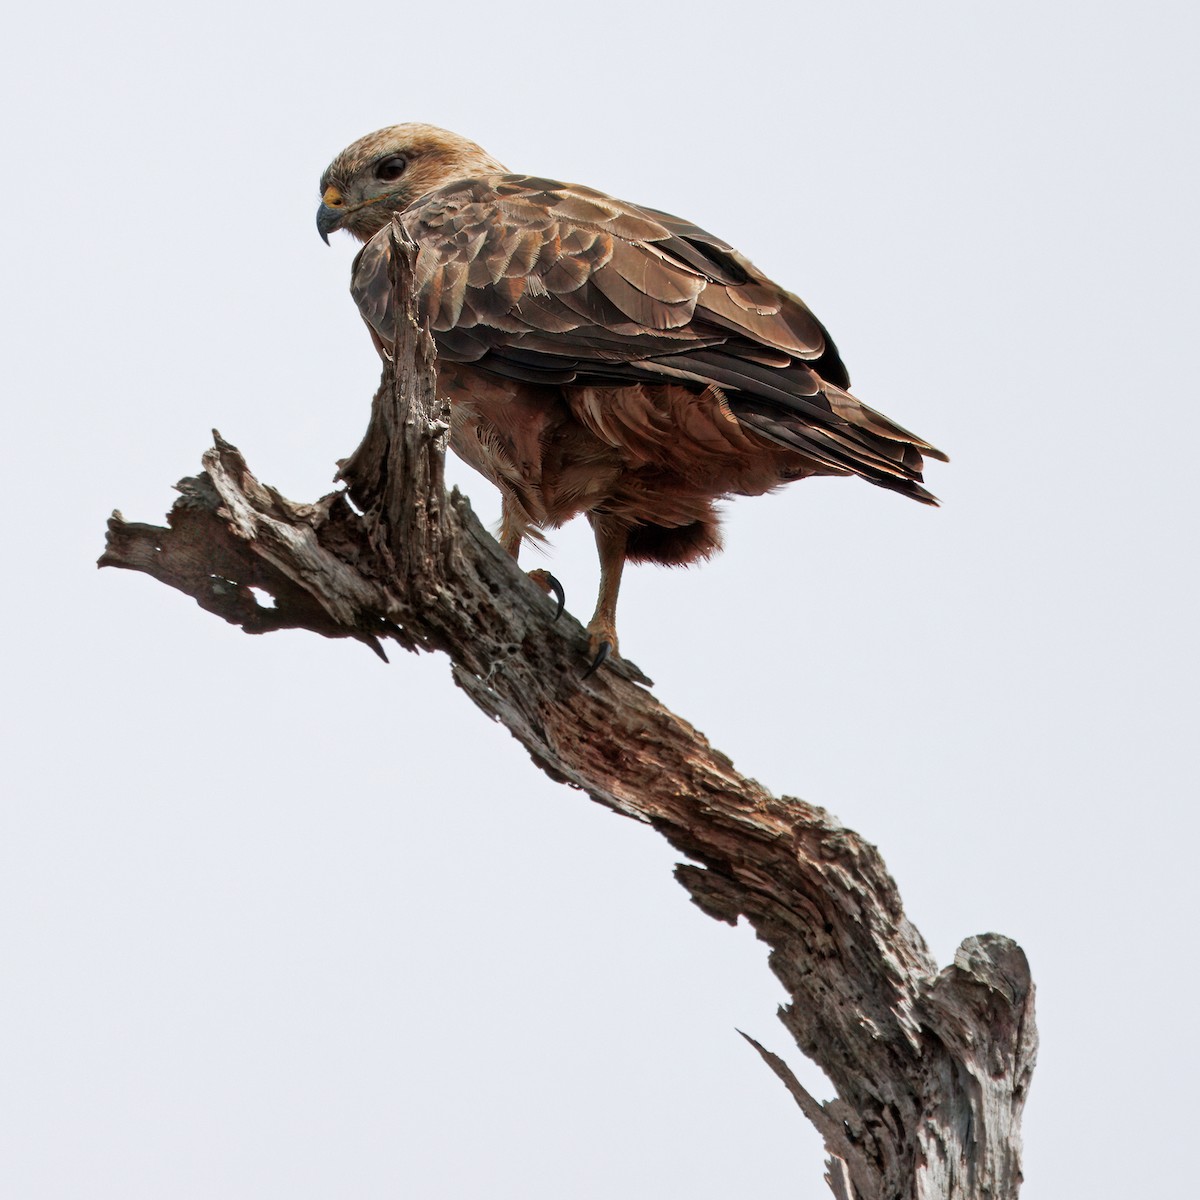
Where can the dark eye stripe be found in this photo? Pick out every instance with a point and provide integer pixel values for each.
(390, 169)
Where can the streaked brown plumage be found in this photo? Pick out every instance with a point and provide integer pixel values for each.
(601, 357)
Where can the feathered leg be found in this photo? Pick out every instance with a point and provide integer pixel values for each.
(512, 526)
(612, 538)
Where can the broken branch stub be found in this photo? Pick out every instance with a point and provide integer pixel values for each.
(931, 1068)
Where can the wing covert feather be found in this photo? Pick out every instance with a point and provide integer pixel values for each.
(515, 256)
(557, 283)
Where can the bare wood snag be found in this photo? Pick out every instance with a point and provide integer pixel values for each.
(931, 1067)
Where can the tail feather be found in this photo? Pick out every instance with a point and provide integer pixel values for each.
(858, 440)
(857, 413)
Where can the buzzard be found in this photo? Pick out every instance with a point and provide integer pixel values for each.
(602, 357)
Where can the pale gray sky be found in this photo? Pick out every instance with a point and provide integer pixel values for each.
(278, 921)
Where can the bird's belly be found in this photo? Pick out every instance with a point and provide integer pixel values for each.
(674, 440)
(524, 438)
(647, 454)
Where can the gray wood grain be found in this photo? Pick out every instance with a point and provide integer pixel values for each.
(931, 1067)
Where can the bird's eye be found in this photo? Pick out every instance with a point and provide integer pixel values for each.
(390, 169)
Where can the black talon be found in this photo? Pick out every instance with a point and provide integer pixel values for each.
(601, 655)
(559, 594)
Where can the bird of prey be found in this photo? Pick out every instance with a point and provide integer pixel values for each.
(602, 357)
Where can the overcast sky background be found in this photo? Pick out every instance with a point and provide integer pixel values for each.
(279, 921)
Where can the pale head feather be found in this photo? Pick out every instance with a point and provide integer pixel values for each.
(433, 157)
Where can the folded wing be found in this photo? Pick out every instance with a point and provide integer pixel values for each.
(560, 284)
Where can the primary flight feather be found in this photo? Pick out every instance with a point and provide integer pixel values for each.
(601, 357)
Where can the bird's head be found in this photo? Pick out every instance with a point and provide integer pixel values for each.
(384, 172)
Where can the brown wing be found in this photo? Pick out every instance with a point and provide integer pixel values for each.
(555, 283)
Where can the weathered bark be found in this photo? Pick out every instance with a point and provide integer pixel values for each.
(931, 1068)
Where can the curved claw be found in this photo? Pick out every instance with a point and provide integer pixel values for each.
(551, 587)
(557, 589)
(601, 655)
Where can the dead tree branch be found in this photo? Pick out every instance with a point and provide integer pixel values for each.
(931, 1068)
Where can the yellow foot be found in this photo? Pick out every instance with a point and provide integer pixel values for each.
(551, 587)
(602, 642)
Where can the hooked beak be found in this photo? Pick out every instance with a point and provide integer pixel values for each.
(331, 212)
